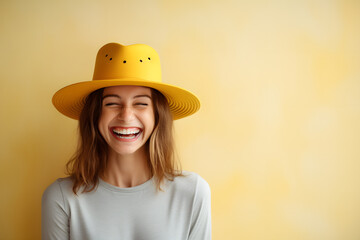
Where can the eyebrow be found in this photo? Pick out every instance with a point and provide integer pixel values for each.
(117, 96)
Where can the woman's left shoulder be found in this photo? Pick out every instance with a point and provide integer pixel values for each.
(193, 183)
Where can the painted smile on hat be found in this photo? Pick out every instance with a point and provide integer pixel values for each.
(126, 134)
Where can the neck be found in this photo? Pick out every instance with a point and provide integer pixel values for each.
(127, 170)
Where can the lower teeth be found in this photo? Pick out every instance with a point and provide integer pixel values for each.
(127, 137)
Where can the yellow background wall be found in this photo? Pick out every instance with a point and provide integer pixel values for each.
(278, 134)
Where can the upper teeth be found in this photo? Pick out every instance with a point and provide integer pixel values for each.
(126, 131)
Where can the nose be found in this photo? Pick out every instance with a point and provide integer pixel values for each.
(126, 114)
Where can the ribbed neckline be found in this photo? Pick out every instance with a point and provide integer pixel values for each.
(137, 188)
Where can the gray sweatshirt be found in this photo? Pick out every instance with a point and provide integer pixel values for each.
(182, 211)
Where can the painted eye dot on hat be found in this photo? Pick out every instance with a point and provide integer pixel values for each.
(149, 58)
(110, 59)
(106, 55)
(124, 61)
(140, 60)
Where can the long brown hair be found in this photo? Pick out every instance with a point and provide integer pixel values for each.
(89, 160)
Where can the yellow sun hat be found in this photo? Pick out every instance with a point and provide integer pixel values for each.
(117, 65)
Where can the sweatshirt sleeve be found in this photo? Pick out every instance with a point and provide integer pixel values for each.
(54, 216)
(201, 213)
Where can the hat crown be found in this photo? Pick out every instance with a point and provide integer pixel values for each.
(116, 61)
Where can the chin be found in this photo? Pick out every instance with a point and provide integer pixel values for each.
(127, 151)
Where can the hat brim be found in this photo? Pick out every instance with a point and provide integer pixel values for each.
(70, 99)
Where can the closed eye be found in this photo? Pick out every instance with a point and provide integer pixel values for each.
(141, 104)
(110, 104)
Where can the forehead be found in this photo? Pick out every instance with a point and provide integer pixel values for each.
(127, 90)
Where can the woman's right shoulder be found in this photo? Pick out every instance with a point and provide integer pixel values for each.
(55, 210)
(59, 189)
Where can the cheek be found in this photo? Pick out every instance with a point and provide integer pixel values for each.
(100, 127)
(148, 122)
(151, 120)
(103, 123)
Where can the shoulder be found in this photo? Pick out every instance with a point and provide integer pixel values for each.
(57, 191)
(55, 211)
(200, 225)
(197, 180)
(59, 186)
(193, 184)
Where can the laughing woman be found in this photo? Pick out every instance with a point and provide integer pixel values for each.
(124, 182)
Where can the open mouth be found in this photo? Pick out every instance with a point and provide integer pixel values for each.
(126, 133)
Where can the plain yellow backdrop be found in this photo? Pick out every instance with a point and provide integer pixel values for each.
(278, 133)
